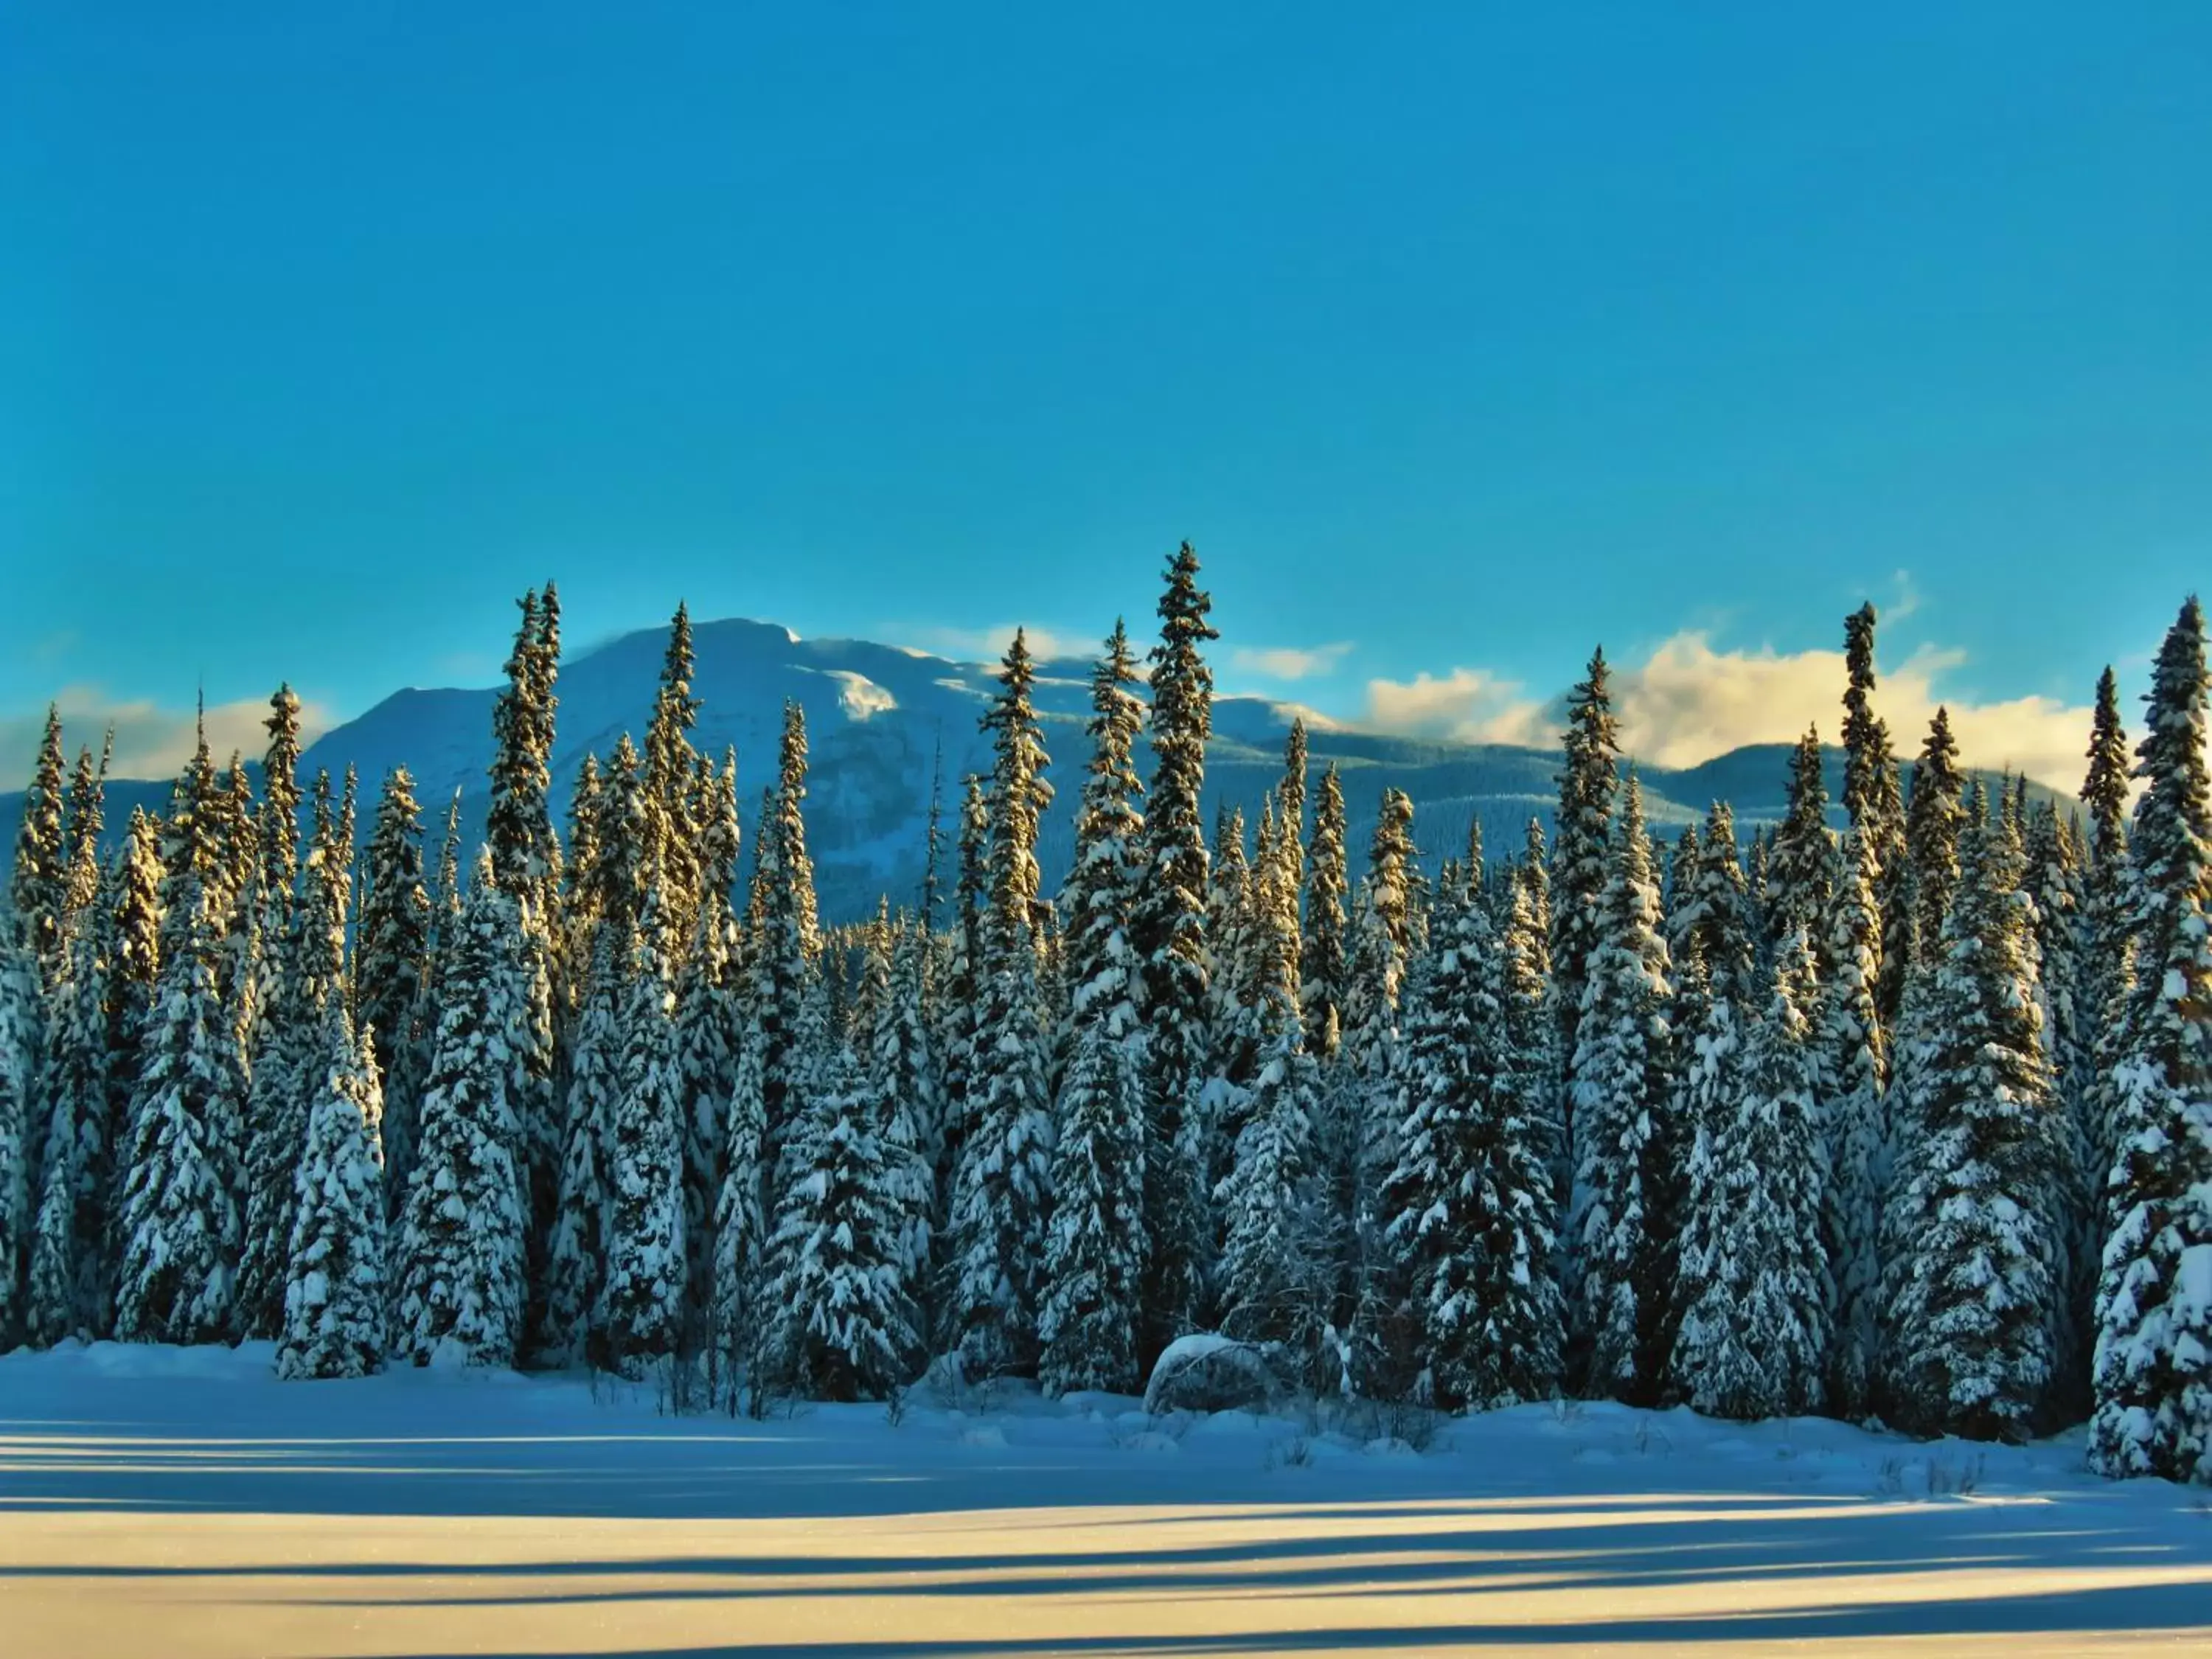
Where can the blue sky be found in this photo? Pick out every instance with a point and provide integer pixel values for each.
(1458, 339)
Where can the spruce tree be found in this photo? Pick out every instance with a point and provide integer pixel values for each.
(1095, 1252)
(1003, 1187)
(1853, 1063)
(669, 765)
(2052, 884)
(70, 1289)
(1801, 866)
(1753, 1336)
(901, 1076)
(1168, 929)
(392, 966)
(844, 1324)
(180, 1208)
(708, 1032)
(22, 1046)
(568, 1326)
(460, 1299)
(1626, 1145)
(2153, 1360)
(642, 1299)
(1873, 797)
(1973, 1321)
(2107, 978)
(1582, 863)
(39, 891)
(334, 1294)
(85, 820)
(1324, 962)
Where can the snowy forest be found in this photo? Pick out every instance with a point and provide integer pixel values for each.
(1908, 1122)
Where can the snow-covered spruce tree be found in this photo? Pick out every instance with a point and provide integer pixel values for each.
(2154, 1362)
(741, 1235)
(21, 1049)
(1801, 876)
(71, 1291)
(1872, 796)
(525, 864)
(708, 1033)
(1003, 1189)
(1523, 1306)
(901, 1077)
(1935, 819)
(1752, 1341)
(303, 991)
(2107, 975)
(2052, 881)
(277, 837)
(84, 822)
(844, 1322)
(569, 1329)
(1626, 1145)
(1581, 862)
(461, 1297)
(37, 890)
(1269, 1288)
(1231, 1048)
(641, 1302)
(1382, 952)
(1717, 998)
(391, 964)
(1325, 960)
(786, 940)
(134, 964)
(179, 1208)
(1973, 1326)
(334, 1294)
(1289, 847)
(1854, 1065)
(1095, 1252)
(669, 765)
(1168, 928)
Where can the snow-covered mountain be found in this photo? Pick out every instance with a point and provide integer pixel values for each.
(879, 717)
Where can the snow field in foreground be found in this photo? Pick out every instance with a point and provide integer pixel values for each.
(183, 1502)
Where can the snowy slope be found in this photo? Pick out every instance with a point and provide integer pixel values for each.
(877, 715)
(182, 1502)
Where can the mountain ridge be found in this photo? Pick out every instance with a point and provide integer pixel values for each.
(879, 717)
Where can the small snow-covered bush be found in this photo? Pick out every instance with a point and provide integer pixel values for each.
(1208, 1372)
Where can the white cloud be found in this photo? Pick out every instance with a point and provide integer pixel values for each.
(1470, 705)
(1688, 702)
(859, 696)
(1290, 662)
(988, 645)
(150, 741)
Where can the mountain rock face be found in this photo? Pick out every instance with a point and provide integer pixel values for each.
(879, 717)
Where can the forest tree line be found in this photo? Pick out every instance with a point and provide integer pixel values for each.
(1911, 1122)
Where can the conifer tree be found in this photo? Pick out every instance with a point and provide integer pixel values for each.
(461, 1288)
(1934, 819)
(21, 1045)
(334, 1294)
(71, 1290)
(1625, 1146)
(1003, 1187)
(569, 1329)
(179, 1209)
(2153, 1360)
(1854, 1064)
(707, 1038)
(1582, 862)
(1095, 1252)
(1753, 1339)
(1873, 797)
(391, 968)
(135, 921)
(85, 821)
(1290, 818)
(2052, 884)
(2107, 938)
(901, 1076)
(1324, 962)
(39, 891)
(1168, 929)
(1801, 865)
(277, 831)
(670, 762)
(642, 1299)
(844, 1324)
(1973, 1321)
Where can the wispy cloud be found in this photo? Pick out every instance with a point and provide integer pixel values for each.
(988, 645)
(1290, 662)
(1688, 702)
(150, 741)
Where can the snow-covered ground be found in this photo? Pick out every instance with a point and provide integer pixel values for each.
(179, 1503)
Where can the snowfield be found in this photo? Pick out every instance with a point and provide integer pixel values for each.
(182, 1502)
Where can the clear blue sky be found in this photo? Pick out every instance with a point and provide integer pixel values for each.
(1467, 334)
